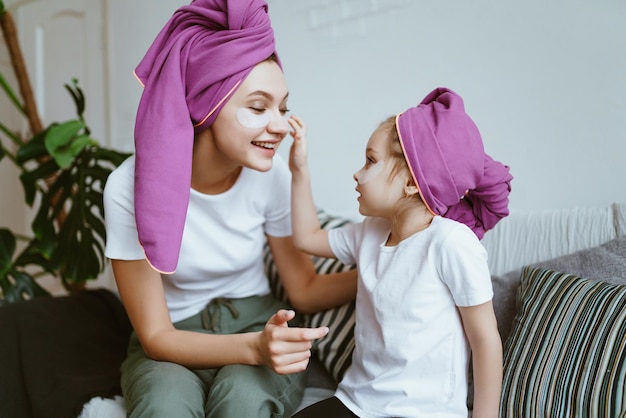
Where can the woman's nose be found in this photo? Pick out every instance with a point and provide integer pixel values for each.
(278, 123)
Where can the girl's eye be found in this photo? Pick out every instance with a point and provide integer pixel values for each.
(257, 109)
(283, 111)
(369, 161)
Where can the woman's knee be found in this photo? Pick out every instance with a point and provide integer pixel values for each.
(240, 390)
(161, 389)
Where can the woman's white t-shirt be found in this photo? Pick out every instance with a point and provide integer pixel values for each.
(411, 356)
(222, 245)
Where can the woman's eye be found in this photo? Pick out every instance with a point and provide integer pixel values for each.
(283, 111)
(257, 109)
(369, 161)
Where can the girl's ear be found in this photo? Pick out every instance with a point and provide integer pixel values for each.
(410, 188)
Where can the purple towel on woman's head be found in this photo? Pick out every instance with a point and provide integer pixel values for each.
(444, 151)
(191, 70)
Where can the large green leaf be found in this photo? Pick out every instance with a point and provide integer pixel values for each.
(7, 248)
(77, 96)
(63, 173)
(31, 179)
(44, 228)
(67, 140)
(78, 245)
(33, 149)
(15, 283)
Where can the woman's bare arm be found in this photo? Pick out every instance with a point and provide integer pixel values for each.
(285, 350)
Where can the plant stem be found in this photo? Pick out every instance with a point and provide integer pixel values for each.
(12, 135)
(17, 60)
(30, 108)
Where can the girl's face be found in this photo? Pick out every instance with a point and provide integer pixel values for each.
(253, 123)
(378, 191)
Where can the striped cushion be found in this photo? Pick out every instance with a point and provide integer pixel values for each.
(334, 350)
(566, 356)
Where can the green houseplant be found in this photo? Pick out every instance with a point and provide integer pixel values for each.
(63, 171)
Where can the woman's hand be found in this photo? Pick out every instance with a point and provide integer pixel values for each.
(298, 151)
(286, 350)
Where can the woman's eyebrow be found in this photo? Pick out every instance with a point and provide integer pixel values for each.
(266, 95)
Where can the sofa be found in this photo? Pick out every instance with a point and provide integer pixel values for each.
(559, 279)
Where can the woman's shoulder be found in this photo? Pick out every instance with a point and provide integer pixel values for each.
(124, 170)
(122, 178)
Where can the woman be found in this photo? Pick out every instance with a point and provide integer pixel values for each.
(187, 218)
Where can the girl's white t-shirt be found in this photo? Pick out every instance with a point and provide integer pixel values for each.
(221, 253)
(411, 356)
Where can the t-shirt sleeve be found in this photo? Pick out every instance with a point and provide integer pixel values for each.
(464, 268)
(278, 193)
(122, 242)
(344, 242)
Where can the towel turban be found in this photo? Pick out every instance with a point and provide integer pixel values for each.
(194, 65)
(455, 177)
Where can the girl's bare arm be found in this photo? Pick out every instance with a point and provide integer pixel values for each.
(308, 291)
(307, 233)
(479, 323)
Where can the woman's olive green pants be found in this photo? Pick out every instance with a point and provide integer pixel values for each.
(160, 389)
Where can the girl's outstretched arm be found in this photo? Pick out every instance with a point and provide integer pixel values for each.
(308, 236)
(308, 291)
(479, 323)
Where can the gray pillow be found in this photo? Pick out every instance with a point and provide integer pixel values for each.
(606, 262)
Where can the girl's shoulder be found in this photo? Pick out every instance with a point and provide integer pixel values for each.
(449, 233)
(444, 226)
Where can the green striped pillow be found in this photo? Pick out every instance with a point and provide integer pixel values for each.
(566, 356)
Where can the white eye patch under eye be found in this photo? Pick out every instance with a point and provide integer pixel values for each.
(368, 174)
(249, 119)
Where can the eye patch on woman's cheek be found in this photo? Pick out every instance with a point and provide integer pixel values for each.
(367, 174)
(249, 119)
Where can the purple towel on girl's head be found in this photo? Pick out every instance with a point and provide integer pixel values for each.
(445, 154)
(191, 70)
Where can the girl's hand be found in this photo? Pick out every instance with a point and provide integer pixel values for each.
(286, 350)
(298, 151)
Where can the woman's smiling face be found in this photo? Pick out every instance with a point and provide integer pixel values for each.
(253, 123)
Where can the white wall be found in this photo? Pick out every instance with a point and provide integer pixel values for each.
(544, 81)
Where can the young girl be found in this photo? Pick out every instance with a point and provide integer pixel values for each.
(428, 192)
(188, 216)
